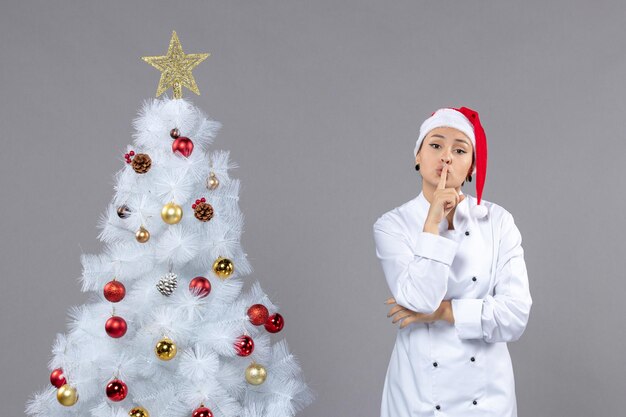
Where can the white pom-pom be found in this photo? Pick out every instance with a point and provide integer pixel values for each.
(479, 211)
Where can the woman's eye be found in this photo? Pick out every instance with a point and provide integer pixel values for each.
(438, 146)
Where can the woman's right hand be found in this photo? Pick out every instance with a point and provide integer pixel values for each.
(444, 200)
(409, 316)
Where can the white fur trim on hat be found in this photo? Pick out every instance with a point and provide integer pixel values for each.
(446, 117)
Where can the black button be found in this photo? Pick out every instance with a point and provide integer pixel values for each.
(467, 233)
(435, 364)
(473, 359)
(438, 407)
(474, 402)
(473, 278)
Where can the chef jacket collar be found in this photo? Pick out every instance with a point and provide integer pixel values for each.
(461, 213)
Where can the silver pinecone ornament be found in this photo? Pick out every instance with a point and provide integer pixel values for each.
(167, 284)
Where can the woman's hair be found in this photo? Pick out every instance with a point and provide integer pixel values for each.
(473, 156)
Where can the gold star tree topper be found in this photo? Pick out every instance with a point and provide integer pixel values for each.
(176, 68)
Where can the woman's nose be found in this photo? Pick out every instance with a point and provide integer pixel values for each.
(446, 157)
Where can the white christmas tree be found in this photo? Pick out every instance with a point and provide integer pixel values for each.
(168, 330)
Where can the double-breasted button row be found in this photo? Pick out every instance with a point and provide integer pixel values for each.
(438, 407)
(473, 359)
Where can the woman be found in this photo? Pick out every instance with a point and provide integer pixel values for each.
(455, 267)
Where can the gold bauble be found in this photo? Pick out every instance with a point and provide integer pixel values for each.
(165, 349)
(223, 267)
(142, 235)
(67, 395)
(212, 182)
(256, 374)
(138, 412)
(171, 213)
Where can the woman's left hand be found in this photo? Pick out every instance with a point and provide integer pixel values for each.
(444, 312)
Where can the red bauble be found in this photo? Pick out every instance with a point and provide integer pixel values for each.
(200, 286)
(258, 314)
(182, 145)
(116, 390)
(244, 345)
(57, 378)
(114, 291)
(202, 412)
(274, 323)
(116, 327)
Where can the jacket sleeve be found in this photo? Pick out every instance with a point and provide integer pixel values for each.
(503, 316)
(417, 275)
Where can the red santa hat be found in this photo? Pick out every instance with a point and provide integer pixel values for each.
(467, 121)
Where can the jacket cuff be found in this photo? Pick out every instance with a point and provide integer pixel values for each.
(467, 314)
(439, 248)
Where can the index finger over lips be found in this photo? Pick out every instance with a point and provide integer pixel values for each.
(444, 176)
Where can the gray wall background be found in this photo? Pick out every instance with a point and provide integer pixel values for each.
(321, 102)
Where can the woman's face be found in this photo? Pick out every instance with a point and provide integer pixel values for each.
(445, 145)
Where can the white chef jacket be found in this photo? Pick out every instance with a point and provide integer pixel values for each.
(461, 369)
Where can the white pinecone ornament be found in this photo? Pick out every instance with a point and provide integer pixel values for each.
(167, 284)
